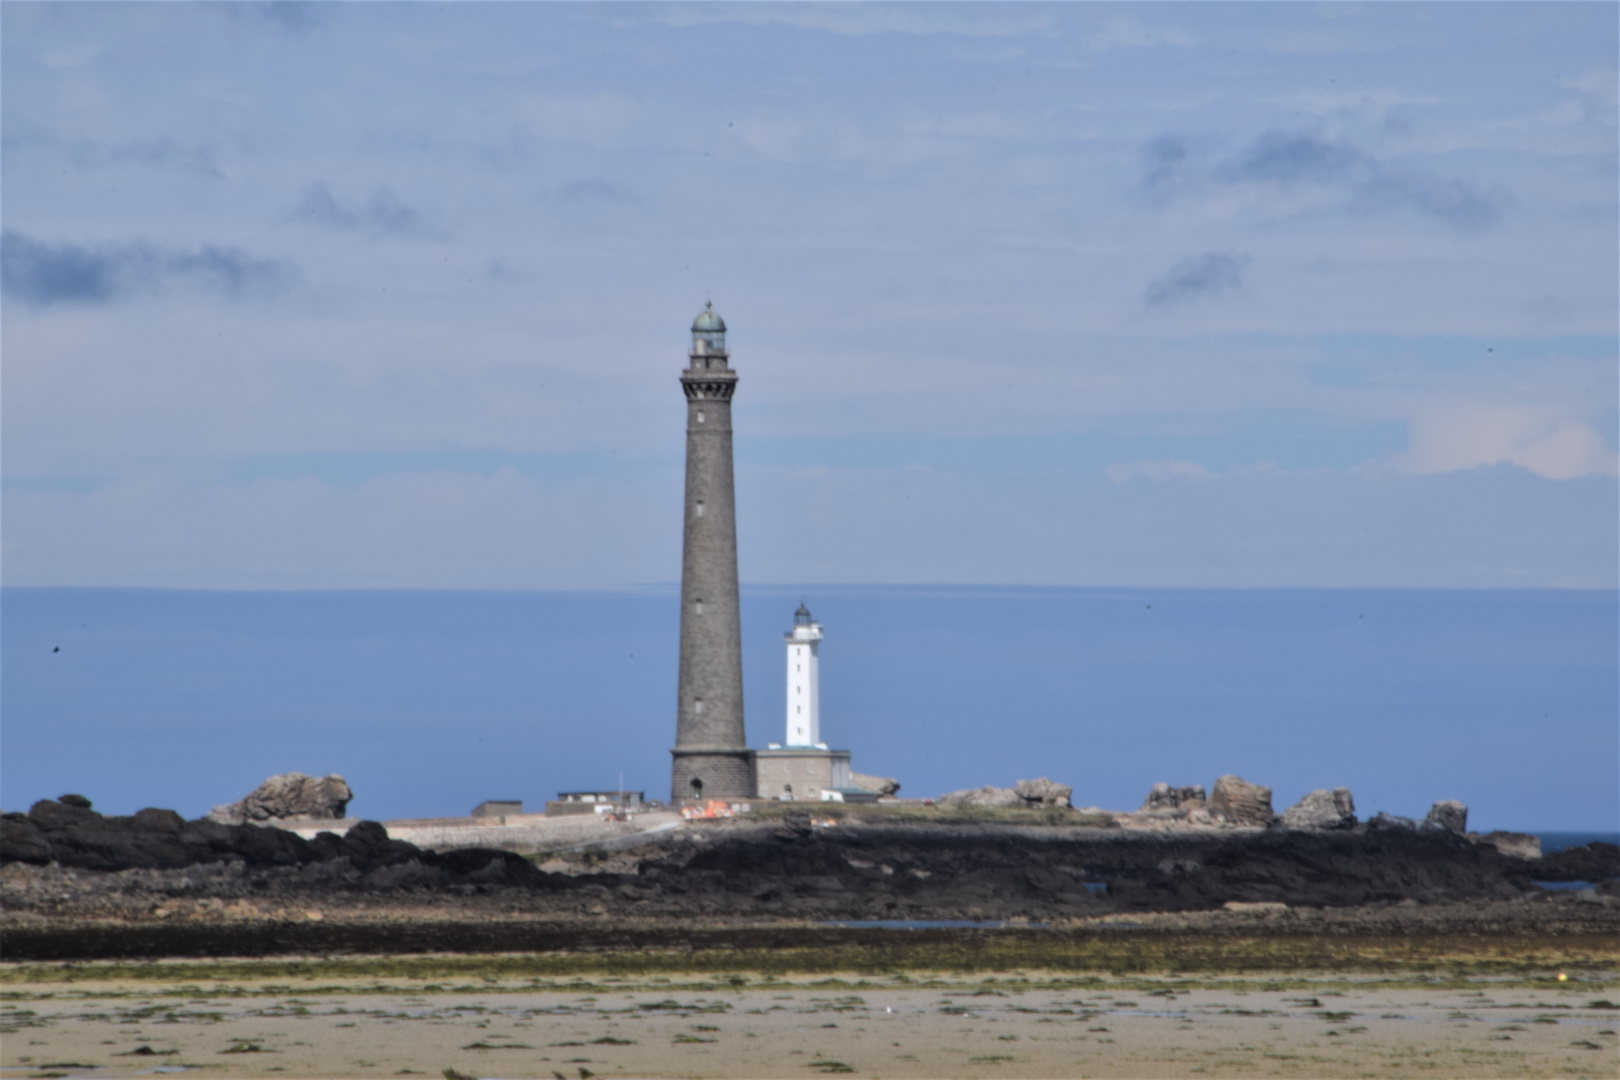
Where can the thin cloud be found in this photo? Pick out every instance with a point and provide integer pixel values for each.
(1209, 274)
(1165, 164)
(1297, 161)
(162, 154)
(1457, 202)
(1281, 158)
(380, 215)
(1288, 160)
(41, 274)
(1545, 440)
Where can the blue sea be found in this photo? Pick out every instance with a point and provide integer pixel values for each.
(430, 702)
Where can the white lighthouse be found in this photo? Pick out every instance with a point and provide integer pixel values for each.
(803, 682)
(802, 768)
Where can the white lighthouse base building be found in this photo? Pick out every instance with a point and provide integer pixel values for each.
(803, 768)
(801, 773)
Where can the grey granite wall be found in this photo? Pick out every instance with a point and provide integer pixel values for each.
(723, 775)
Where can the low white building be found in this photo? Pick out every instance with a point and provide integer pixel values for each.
(596, 802)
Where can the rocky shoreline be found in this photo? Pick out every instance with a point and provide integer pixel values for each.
(76, 883)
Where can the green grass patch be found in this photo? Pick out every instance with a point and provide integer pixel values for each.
(876, 952)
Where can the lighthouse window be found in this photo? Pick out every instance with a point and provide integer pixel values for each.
(698, 605)
(700, 416)
(697, 706)
(700, 508)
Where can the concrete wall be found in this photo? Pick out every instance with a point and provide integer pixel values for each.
(800, 775)
(531, 832)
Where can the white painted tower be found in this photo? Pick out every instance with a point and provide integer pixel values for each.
(803, 682)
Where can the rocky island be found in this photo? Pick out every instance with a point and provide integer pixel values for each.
(80, 885)
(998, 927)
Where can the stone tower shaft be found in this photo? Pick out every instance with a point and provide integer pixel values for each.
(712, 759)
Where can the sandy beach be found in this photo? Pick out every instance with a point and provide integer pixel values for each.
(240, 1019)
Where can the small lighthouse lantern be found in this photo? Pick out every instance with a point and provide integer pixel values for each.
(708, 341)
(803, 681)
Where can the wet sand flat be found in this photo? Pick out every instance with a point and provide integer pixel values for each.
(68, 1023)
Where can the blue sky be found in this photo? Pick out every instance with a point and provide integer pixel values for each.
(382, 295)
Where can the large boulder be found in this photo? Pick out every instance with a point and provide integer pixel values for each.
(1241, 802)
(985, 796)
(1166, 799)
(290, 795)
(1448, 814)
(1322, 809)
(22, 840)
(1515, 845)
(1043, 792)
(881, 786)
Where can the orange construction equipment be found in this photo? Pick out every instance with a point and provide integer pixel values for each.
(715, 808)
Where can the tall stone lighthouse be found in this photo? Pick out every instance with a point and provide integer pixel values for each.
(712, 759)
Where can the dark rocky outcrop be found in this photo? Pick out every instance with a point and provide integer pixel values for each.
(1597, 861)
(1241, 802)
(290, 795)
(931, 871)
(74, 836)
(1322, 809)
(21, 839)
(797, 868)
